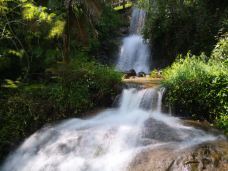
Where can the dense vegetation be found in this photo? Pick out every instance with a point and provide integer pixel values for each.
(48, 63)
(37, 34)
(198, 85)
(177, 26)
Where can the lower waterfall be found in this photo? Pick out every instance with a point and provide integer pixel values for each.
(107, 142)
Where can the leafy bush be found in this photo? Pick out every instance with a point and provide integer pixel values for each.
(198, 87)
(155, 73)
(95, 81)
(220, 51)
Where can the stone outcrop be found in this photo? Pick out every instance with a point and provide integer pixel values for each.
(209, 157)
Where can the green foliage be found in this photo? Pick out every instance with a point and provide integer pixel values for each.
(155, 74)
(108, 23)
(221, 50)
(92, 81)
(42, 33)
(57, 29)
(29, 33)
(41, 14)
(3, 7)
(222, 122)
(198, 87)
(127, 5)
(33, 12)
(10, 84)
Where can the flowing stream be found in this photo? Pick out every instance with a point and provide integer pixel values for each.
(135, 52)
(108, 141)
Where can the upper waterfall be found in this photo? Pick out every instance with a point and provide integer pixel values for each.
(137, 21)
(135, 52)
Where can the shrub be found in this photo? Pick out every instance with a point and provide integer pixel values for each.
(156, 73)
(198, 87)
(220, 52)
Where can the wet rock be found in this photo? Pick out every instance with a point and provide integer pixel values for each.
(130, 73)
(141, 74)
(212, 156)
(124, 30)
(159, 131)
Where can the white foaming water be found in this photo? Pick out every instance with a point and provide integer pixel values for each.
(135, 52)
(106, 142)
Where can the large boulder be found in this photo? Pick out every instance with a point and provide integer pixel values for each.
(211, 156)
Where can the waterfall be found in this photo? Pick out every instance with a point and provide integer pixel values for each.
(135, 52)
(107, 142)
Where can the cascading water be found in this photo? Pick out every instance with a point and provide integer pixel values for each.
(108, 141)
(111, 140)
(135, 52)
(137, 21)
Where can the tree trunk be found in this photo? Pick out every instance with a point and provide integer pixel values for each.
(66, 35)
